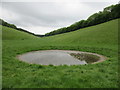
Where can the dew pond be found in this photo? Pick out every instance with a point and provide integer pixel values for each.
(60, 57)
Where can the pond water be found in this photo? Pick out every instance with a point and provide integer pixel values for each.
(53, 57)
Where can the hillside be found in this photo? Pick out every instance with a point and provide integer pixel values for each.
(12, 34)
(101, 39)
(102, 35)
(98, 35)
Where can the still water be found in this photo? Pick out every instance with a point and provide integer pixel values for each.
(53, 57)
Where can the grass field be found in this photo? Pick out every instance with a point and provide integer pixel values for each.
(101, 39)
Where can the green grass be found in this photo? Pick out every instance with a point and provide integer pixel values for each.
(12, 34)
(101, 39)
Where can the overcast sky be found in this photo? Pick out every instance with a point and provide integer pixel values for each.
(40, 16)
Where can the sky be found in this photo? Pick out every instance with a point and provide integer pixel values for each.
(43, 16)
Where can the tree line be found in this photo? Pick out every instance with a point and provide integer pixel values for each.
(2, 22)
(108, 13)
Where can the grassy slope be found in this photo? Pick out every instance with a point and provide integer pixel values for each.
(101, 39)
(12, 34)
(105, 34)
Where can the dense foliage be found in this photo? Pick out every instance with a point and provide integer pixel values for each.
(109, 13)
